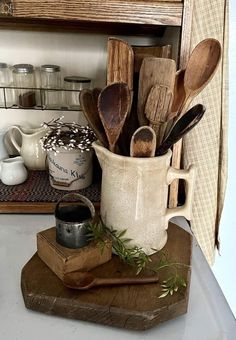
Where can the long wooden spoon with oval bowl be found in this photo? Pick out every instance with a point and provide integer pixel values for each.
(143, 142)
(86, 280)
(114, 106)
(201, 67)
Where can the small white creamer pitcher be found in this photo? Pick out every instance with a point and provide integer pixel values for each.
(30, 149)
(134, 196)
(13, 171)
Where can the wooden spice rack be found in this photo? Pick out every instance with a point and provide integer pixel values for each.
(137, 17)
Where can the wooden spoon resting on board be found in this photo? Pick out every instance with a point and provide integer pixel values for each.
(86, 280)
(143, 142)
(114, 106)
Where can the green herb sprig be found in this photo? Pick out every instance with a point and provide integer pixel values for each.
(136, 257)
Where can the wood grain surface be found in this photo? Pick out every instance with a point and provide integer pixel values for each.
(120, 62)
(141, 12)
(128, 306)
(62, 260)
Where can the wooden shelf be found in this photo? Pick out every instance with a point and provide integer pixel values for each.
(90, 12)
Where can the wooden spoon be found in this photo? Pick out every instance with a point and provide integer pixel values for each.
(157, 108)
(200, 69)
(178, 95)
(86, 280)
(90, 111)
(154, 71)
(95, 94)
(114, 105)
(186, 123)
(143, 142)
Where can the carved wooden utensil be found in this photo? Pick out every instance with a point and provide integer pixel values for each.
(114, 105)
(120, 62)
(154, 71)
(120, 68)
(201, 67)
(86, 280)
(143, 142)
(186, 123)
(157, 108)
(178, 94)
(95, 94)
(90, 110)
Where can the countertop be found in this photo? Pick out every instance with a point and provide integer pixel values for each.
(209, 316)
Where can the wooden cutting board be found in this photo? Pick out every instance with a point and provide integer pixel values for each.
(133, 307)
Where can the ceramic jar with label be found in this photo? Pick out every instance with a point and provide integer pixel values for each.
(70, 169)
(24, 81)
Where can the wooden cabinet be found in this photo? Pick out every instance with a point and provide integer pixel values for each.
(121, 17)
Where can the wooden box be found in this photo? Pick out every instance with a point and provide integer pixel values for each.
(63, 260)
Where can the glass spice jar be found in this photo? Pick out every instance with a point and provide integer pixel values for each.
(24, 80)
(5, 94)
(51, 83)
(75, 84)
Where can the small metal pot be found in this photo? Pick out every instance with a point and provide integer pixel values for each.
(72, 221)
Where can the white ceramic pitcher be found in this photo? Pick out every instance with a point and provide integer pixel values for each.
(13, 171)
(134, 196)
(30, 149)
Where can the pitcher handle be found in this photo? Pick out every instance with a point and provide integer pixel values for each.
(189, 176)
(12, 137)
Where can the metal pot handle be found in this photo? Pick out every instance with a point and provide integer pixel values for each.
(79, 197)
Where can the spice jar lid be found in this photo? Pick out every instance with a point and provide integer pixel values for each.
(3, 65)
(23, 68)
(50, 68)
(76, 79)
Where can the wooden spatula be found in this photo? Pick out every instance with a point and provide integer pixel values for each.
(120, 62)
(157, 108)
(143, 142)
(90, 110)
(114, 106)
(154, 71)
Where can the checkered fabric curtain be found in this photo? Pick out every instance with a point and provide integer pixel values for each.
(206, 145)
